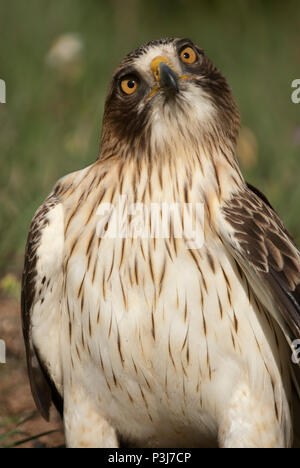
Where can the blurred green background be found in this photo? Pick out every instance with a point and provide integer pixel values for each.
(57, 58)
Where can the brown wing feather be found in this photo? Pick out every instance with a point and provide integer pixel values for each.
(42, 387)
(265, 244)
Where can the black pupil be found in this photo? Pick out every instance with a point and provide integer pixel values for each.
(186, 55)
(131, 84)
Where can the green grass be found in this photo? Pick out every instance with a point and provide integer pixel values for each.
(51, 123)
(13, 435)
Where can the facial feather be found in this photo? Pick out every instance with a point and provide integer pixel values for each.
(151, 119)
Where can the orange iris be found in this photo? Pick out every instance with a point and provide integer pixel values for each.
(188, 55)
(129, 85)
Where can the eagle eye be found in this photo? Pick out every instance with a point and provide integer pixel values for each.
(188, 55)
(129, 84)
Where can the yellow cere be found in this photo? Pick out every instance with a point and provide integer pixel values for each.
(156, 72)
(155, 65)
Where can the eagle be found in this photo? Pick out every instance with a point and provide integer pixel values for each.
(144, 340)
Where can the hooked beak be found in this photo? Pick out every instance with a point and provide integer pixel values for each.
(168, 79)
(164, 75)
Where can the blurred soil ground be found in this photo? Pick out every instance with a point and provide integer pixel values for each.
(16, 402)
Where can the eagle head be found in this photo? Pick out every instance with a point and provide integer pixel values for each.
(165, 93)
